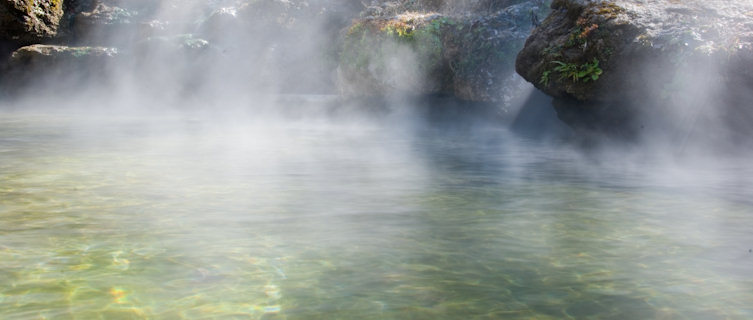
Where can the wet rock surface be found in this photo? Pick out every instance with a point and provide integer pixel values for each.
(460, 48)
(29, 21)
(622, 66)
(469, 56)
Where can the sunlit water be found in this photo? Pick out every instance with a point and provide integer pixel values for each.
(105, 217)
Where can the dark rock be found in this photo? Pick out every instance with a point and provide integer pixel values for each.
(537, 120)
(627, 67)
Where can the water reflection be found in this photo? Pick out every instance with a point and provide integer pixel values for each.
(122, 218)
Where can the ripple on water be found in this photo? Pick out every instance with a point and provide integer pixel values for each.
(330, 222)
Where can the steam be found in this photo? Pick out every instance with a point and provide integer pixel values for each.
(220, 143)
(193, 54)
(684, 106)
(226, 60)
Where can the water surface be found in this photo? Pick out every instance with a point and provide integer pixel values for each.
(105, 217)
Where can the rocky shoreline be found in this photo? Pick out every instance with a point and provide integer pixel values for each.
(618, 68)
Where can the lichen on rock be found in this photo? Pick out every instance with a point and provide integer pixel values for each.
(29, 21)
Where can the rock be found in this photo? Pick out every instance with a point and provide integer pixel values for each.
(173, 65)
(54, 66)
(102, 23)
(484, 65)
(122, 22)
(44, 56)
(221, 25)
(29, 21)
(405, 54)
(390, 8)
(623, 66)
(468, 56)
(168, 47)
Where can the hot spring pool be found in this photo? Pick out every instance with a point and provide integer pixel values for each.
(105, 217)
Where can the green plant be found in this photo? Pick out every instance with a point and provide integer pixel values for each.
(356, 29)
(585, 72)
(545, 78)
(574, 38)
(590, 71)
(553, 51)
(566, 70)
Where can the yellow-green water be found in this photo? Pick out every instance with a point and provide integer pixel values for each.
(122, 218)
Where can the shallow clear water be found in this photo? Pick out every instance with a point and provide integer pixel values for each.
(121, 218)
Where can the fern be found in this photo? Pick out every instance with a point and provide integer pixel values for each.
(585, 72)
(545, 78)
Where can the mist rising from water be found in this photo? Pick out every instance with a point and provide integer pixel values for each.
(228, 63)
(193, 179)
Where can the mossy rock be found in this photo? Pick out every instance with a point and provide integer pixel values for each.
(469, 56)
(29, 21)
(631, 68)
(632, 43)
(383, 55)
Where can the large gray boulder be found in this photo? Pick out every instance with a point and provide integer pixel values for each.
(624, 66)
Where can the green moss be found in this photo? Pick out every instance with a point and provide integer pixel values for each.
(356, 29)
(400, 31)
(368, 44)
(81, 52)
(553, 51)
(574, 38)
(429, 41)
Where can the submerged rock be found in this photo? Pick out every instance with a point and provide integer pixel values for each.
(469, 56)
(29, 21)
(623, 66)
